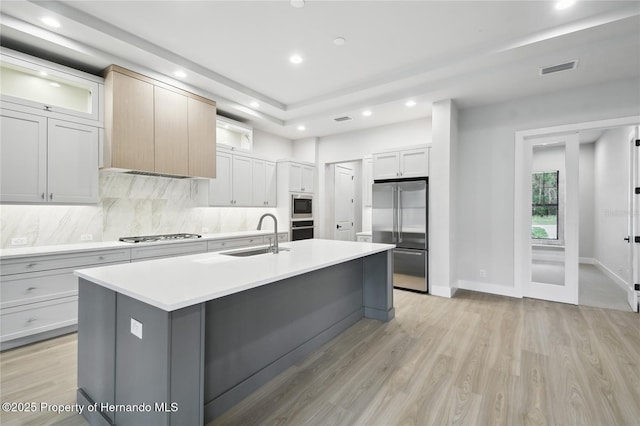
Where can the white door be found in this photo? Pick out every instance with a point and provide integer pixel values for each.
(343, 203)
(634, 223)
(242, 181)
(270, 183)
(386, 166)
(72, 152)
(553, 252)
(220, 187)
(307, 179)
(23, 157)
(414, 163)
(259, 183)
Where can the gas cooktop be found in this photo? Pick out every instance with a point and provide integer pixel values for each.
(165, 237)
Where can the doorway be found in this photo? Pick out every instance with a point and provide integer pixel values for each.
(571, 239)
(344, 200)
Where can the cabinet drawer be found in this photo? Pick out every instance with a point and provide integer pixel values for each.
(37, 318)
(167, 250)
(237, 242)
(61, 261)
(364, 239)
(30, 288)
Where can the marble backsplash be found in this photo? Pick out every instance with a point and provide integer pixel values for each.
(129, 205)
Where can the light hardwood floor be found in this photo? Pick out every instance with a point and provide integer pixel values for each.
(475, 359)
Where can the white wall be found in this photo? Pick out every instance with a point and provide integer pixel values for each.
(587, 189)
(305, 149)
(612, 179)
(485, 190)
(271, 146)
(353, 146)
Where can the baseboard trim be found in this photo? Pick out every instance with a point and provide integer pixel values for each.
(442, 291)
(490, 288)
(587, 260)
(608, 272)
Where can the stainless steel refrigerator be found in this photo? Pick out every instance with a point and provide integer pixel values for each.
(400, 209)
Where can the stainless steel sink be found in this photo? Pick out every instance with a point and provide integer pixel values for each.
(253, 251)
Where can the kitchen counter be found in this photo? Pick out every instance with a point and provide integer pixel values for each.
(10, 253)
(209, 276)
(204, 331)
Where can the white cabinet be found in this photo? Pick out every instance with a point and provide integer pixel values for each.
(242, 181)
(301, 178)
(401, 164)
(40, 294)
(367, 191)
(47, 160)
(364, 238)
(264, 183)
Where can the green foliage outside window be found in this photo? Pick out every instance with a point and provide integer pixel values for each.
(544, 205)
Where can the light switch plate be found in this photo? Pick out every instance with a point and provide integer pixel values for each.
(136, 328)
(86, 237)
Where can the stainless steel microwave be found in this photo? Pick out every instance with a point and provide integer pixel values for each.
(301, 206)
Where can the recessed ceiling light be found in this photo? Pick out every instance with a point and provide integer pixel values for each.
(54, 84)
(297, 3)
(226, 126)
(43, 73)
(254, 104)
(367, 113)
(302, 128)
(180, 74)
(295, 59)
(339, 41)
(565, 4)
(52, 22)
(410, 104)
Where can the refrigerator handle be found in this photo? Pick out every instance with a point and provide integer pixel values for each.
(394, 226)
(399, 214)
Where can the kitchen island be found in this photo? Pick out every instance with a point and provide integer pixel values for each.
(181, 340)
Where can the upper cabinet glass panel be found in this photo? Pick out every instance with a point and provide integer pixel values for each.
(234, 134)
(48, 89)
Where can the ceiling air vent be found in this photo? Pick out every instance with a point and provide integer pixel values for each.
(559, 67)
(345, 118)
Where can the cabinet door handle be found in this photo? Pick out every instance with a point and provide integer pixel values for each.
(51, 196)
(47, 107)
(31, 265)
(30, 289)
(42, 196)
(100, 257)
(30, 320)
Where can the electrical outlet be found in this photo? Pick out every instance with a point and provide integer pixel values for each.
(136, 328)
(483, 273)
(86, 237)
(19, 241)
(205, 230)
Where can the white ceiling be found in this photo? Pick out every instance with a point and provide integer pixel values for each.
(236, 52)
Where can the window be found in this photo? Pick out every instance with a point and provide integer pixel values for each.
(544, 205)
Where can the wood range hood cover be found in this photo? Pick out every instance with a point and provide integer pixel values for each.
(156, 129)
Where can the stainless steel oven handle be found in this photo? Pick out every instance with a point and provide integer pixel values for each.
(295, 228)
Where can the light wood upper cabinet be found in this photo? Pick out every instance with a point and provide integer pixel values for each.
(171, 132)
(129, 123)
(154, 127)
(202, 138)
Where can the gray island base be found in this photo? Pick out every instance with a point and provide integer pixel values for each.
(194, 363)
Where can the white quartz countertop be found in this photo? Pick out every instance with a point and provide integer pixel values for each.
(178, 282)
(93, 246)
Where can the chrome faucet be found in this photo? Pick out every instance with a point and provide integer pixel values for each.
(275, 226)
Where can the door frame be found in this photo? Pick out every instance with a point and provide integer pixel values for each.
(522, 190)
